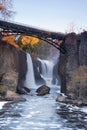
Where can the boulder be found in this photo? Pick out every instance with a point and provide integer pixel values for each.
(9, 95)
(43, 90)
(12, 96)
(61, 99)
(23, 90)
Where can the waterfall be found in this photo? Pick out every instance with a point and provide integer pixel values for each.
(30, 79)
(47, 71)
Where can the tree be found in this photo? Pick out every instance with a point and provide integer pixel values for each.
(6, 9)
(29, 40)
(34, 46)
(70, 28)
(11, 40)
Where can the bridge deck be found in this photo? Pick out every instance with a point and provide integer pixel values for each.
(48, 36)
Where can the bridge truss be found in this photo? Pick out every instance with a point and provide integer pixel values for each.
(53, 38)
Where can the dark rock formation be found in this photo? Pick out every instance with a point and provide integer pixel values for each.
(56, 78)
(22, 70)
(37, 71)
(13, 66)
(73, 67)
(23, 90)
(43, 90)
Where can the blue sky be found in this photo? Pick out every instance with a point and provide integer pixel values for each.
(55, 15)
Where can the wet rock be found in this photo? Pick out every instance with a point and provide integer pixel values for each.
(76, 102)
(61, 99)
(37, 71)
(56, 78)
(23, 90)
(8, 94)
(12, 96)
(43, 90)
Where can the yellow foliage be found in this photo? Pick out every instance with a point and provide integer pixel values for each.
(11, 40)
(24, 39)
(29, 40)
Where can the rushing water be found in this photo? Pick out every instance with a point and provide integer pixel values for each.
(30, 80)
(47, 71)
(2, 104)
(42, 112)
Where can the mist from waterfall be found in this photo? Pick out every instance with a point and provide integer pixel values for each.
(30, 79)
(47, 67)
(47, 71)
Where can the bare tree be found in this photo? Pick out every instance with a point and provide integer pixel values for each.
(71, 28)
(6, 9)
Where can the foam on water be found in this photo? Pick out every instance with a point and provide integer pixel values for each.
(2, 104)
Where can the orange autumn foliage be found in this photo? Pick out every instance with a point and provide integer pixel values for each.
(29, 40)
(25, 40)
(11, 40)
(1, 7)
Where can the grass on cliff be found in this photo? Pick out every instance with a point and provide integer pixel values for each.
(3, 88)
(80, 75)
(78, 83)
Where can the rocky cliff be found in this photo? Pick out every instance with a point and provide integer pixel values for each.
(73, 68)
(13, 69)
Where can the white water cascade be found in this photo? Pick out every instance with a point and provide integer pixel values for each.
(47, 71)
(30, 79)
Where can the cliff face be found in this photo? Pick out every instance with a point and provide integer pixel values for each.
(13, 67)
(73, 67)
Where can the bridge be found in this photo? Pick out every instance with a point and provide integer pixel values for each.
(53, 38)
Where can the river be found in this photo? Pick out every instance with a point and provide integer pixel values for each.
(42, 112)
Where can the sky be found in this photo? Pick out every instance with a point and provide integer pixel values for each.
(55, 15)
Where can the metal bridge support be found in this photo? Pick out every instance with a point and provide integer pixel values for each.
(48, 36)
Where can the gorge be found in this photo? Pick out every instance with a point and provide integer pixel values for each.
(43, 112)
